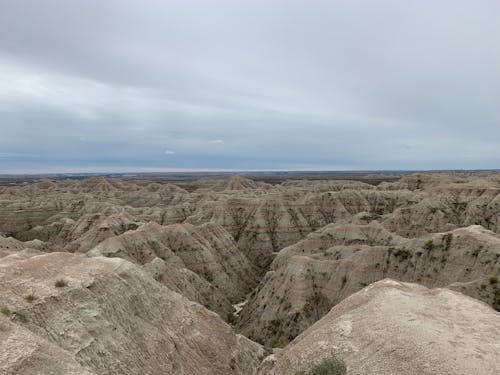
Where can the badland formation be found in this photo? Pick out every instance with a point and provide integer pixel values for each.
(245, 277)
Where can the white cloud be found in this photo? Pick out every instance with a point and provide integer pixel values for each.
(8, 155)
(169, 152)
(216, 141)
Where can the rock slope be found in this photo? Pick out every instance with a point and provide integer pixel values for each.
(201, 262)
(308, 278)
(107, 316)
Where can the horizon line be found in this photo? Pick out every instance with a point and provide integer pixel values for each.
(193, 171)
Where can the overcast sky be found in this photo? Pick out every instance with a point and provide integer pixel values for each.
(93, 85)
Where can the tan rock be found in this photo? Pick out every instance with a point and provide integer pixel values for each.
(400, 328)
(110, 318)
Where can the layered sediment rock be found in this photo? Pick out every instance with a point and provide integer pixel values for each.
(71, 314)
(201, 262)
(308, 278)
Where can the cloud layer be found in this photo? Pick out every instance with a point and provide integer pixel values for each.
(151, 85)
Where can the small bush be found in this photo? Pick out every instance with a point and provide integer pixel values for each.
(61, 283)
(6, 311)
(429, 245)
(447, 241)
(329, 366)
(307, 308)
(30, 298)
(402, 254)
(476, 252)
(493, 280)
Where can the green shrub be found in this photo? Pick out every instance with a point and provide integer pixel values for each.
(493, 280)
(61, 283)
(429, 245)
(329, 366)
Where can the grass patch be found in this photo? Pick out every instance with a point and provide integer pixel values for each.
(329, 366)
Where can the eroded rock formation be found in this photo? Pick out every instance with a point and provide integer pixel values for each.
(149, 271)
(71, 314)
(391, 328)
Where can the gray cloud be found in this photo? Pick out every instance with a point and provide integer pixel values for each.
(249, 85)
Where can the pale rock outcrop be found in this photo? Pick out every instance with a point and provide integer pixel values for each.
(391, 328)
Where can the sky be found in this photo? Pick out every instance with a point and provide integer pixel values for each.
(126, 86)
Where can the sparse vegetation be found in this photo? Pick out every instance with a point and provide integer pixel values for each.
(275, 325)
(476, 252)
(21, 315)
(493, 280)
(429, 245)
(30, 298)
(447, 238)
(496, 300)
(61, 283)
(329, 366)
(402, 254)
(307, 308)
(5, 311)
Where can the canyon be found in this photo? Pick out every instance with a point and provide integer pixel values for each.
(239, 276)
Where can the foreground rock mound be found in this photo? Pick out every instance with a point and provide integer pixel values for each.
(399, 328)
(69, 314)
